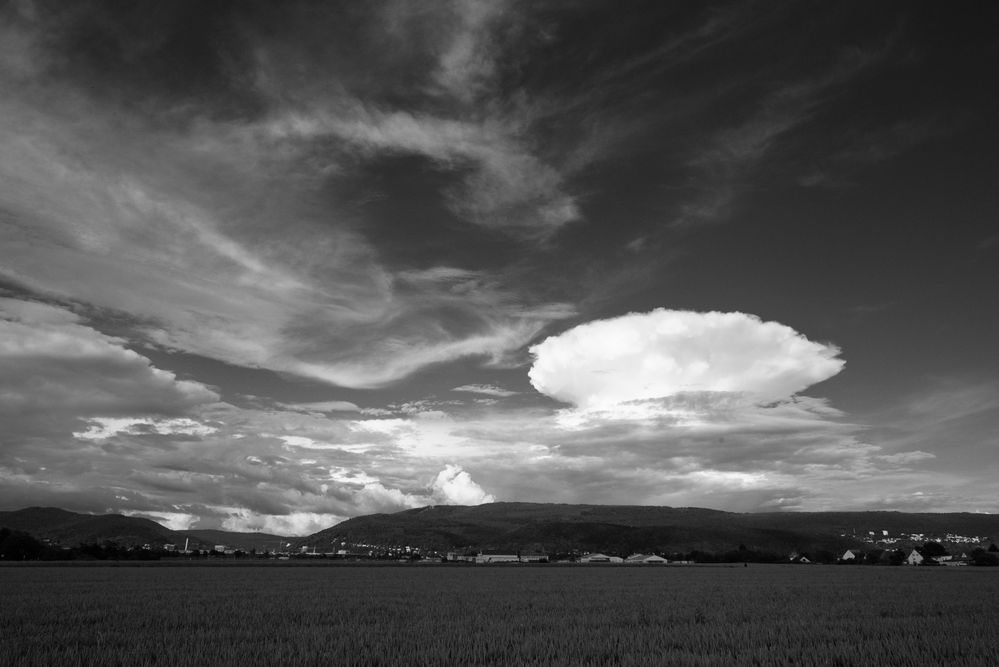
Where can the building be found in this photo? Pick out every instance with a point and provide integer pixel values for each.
(852, 556)
(533, 557)
(459, 557)
(914, 558)
(643, 559)
(488, 557)
(600, 558)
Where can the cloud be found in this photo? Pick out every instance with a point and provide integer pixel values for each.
(467, 64)
(485, 389)
(54, 369)
(102, 428)
(229, 245)
(722, 168)
(322, 406)
(666, 353)
(241, 520)
(264, 232)
(186, 247)
(172, 520)
(454, 486)
(507, 187)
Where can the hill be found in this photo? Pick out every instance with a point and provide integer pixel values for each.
(626, 529)
(70, 529)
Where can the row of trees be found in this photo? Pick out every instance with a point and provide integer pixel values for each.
(16, 545)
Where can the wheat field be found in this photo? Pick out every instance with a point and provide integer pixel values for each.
(515, 615)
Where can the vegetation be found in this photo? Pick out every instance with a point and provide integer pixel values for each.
(519, 615)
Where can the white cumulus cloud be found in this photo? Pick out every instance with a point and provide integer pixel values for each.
(454, 486)
(666, 353)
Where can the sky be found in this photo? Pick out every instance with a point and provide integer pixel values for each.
(268, 266)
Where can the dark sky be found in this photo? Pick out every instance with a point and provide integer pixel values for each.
(272, 265)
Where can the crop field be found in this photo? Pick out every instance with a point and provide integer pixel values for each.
(516, 615)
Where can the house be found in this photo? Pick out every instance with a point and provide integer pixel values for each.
(852, 556)
(914, 558)
(642, 559)
(600, 558)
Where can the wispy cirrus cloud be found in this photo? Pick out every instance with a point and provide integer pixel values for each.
(218, 247)
(505, 185)
(721, 169)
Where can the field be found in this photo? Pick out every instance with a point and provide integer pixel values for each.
(517, 615)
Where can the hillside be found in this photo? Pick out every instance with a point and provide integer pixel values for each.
(71, 529)
(625, 529)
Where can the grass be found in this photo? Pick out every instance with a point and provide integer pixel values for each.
(425, 615)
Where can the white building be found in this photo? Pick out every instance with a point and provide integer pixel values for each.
(533, 557)
(497, 557)
(600, 558)
(915, 558)
(642, 559)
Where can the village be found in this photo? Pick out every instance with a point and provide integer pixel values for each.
(930, 553)
(876, 548)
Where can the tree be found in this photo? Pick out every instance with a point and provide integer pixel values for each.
(874, 556)
(16, 545)
(933, 550)
(981, 557)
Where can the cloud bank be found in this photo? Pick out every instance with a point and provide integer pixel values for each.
(54, 370)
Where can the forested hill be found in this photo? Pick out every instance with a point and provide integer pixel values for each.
(71, 529)
(626, 529)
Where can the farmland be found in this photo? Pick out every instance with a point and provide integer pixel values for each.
(544, 615)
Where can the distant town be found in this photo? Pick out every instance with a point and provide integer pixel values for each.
(912, 549)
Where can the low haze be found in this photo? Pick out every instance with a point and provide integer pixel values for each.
(268, 266)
